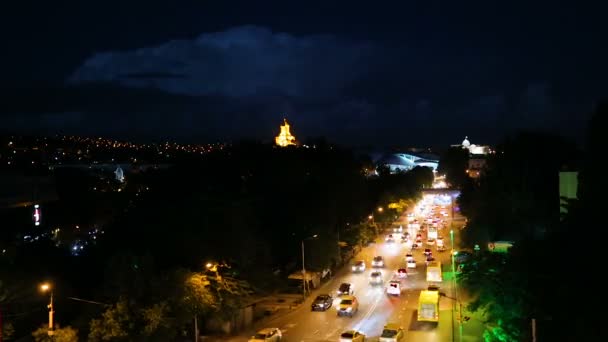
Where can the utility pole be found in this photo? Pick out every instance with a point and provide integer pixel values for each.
(51, 307)
(195, 328)
(303, 273)
(533, 329)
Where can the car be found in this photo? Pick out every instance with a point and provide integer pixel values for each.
(346, 289)
(440, 248)
(427, 252)
(415, 246)
(409, 257)
(378, 262)
(352, 336)
(411, 263)
(389, 238)
(267, 335)
(402, 273)
(430, 242)
(429, 259)
(359, 266)
(398, 229)
(392, 332)
(394, 288)
(322, 302)
(348, 306)
(375, 278)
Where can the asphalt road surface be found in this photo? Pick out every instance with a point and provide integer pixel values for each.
(376, 308)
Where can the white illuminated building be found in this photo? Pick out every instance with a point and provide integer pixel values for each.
(475, 149)
(120, 175)
(477, 157)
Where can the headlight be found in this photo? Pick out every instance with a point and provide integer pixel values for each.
(349, 309)
(354, 268)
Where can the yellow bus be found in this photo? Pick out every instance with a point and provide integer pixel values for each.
(433, 272)
(428, 306)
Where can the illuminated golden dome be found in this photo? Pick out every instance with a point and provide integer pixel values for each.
(285, 138)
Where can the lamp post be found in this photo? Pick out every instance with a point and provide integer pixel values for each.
(455, 286)
(304, 282)
(46, 287)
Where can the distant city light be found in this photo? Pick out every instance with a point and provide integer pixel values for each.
(37, 215)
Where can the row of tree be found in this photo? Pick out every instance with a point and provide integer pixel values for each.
(247, 207)
(543, 279)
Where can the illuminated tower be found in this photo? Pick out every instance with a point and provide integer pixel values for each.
(285, 138)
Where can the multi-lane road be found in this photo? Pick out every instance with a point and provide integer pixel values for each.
(376, 308)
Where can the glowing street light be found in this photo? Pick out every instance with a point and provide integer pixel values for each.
(380, 209)
(44, 288)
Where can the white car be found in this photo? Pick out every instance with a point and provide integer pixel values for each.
(430, 242)
(267, 334)
(394, 288)
(375, 278)
(411, 263)
(352, 336)
(378, 262)
(359, 266)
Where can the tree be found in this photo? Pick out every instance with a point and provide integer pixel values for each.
(493, 280)
(454, 163)
(115, 324)
(67, 334)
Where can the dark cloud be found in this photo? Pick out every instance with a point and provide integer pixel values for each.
(242, 81)
(242, 61)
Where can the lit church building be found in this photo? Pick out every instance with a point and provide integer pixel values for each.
(285, 138)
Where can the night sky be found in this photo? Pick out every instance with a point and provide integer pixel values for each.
(379, 73)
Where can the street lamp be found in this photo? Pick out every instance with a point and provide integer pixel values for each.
(46, 287)
(380, 209)
(455, 286)
(303, 267)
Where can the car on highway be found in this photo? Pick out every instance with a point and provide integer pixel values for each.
(429, 259)
(394, 288)
(411, 263)
(427, 252)
(267, 335)
(430, 242)
(322, 302)
(390, 238)
(348, 306)
(346, 289)
(359, 266)
(402, 273)
(378, 262)
(375, 278)
(409, 257)
(352, 336)
(392, 332)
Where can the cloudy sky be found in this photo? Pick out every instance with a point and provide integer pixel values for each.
(390, 73)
